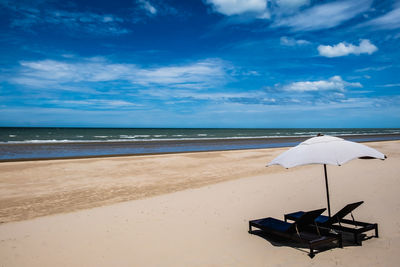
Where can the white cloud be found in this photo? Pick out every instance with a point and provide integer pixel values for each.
(287, 6)
(237, 7)
(146, 5)
(335, 83)
(391, 85)
(324, 16)
(287, 41)
(261, 9)
(108, 18)
(192, 74)
(344, 49)
(293, 14)
(52, 73)
(93, 23)
(214, 96)
(292, 3)
(97, 103)
(390, 20)
(373, 68)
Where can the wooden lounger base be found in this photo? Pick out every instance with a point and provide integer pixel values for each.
(350, 226)
(361, 228)
(312, 240)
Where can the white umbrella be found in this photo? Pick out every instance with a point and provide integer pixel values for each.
(325, 150)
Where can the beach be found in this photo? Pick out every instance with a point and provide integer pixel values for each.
(187, 209)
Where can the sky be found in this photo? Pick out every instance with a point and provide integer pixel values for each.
(200, 63)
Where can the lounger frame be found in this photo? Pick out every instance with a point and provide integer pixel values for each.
(361, 228)
(303, 234)
(336, 223)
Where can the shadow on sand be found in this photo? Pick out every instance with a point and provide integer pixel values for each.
(348, 241)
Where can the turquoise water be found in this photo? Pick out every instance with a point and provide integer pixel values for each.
(64, 135)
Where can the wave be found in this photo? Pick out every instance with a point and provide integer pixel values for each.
(127, 138)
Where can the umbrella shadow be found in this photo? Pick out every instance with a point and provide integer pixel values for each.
(277, 241)
(348, 239)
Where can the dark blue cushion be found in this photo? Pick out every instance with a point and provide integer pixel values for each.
(321, 219)
(273, 224)
(296, 215)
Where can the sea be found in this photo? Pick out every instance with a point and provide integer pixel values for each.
(27, 143)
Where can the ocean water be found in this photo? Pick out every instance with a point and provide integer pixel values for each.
(48, 143)
(64, 135)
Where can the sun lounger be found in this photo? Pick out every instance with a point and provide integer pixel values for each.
(298, 231)
(337, 222)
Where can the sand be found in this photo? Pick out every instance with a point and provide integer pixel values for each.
(188, 209)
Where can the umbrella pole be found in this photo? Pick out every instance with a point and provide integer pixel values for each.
(327, 191)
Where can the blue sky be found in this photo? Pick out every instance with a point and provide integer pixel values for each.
(200, 63)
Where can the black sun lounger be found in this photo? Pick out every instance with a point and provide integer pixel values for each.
(336, 222)
(297, 231)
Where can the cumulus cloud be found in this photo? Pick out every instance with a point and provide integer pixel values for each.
(335, 83)
(344, 49)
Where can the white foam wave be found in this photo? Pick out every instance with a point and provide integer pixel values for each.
(128, 138)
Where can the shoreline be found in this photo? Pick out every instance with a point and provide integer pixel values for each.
(83, 150)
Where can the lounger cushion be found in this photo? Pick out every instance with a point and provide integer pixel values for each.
(273, 224)
(321, 219)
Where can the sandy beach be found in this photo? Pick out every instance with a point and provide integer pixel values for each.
(189, 209)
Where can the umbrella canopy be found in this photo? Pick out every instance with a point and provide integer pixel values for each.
(325, 150)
